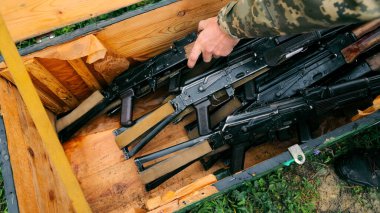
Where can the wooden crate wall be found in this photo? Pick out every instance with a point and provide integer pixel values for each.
(63, 84)
(28, 18)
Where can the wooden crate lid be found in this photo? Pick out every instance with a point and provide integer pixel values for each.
(140, 37)
(29, 18)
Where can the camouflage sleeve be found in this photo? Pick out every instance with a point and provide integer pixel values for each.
(259, 18)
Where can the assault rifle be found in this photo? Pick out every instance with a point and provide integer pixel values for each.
(242, 130)
(315, 67)
(200, 91)
(136, 82)
(368, 66)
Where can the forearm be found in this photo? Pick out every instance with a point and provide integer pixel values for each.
(259, 18)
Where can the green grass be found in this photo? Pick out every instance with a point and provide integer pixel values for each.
(3, 204)
(275, 192)
(295, 188)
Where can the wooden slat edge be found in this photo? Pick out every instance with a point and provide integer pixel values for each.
(144, 36)
(136, 210)
(80, 67)
(41, 120)
(48, 101)
(86, 105)
(170, 207)
(187, 200)
(170, 164)
(197, 196)
(37, 70)
(170, 196)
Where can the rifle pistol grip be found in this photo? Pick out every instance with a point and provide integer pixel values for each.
(126, 108)
(203, 116)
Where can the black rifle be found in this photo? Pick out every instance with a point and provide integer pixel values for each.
(314, 67)
(135, 82)
(138, 81)
(242, 130)
(200, 90)
(368, 66)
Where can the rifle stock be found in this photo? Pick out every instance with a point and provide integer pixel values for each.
(90, 102)
(181, 159)
(351, 52)
(366, 28)
(132, 133)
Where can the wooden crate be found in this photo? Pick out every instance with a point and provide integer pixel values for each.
(66, 70)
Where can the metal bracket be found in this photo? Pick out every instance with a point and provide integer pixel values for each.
(297, 154)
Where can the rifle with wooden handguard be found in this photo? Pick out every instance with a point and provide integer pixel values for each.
(135, 82)
(138, 81)
(299, 75)
(198, 92)
(243, 130)
(315, 67)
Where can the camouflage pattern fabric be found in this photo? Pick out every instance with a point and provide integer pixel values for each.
(261, 18)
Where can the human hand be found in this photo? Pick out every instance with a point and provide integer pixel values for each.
(211, 41)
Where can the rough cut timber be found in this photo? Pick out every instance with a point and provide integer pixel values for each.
(148, 34)
(38, 71)
(29, 18)
(42, 121)
(85, 73)
(30, 162)
(49, 102)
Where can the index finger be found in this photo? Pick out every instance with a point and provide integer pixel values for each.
(194, 55)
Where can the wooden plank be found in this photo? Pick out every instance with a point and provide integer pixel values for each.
(50, 142)
(191, 198)
(170, 207)
(51, 104)
(67, 76)
(38, 71)
(115, 188)
(30, 18)
(46, 99)
(362, 113)
(80, 146)
(181, 158)
(86, 75)
(188, 189)
(197, 196)
(37, 184)
(111, 66)
(132, 133)
(94, 99)
(136, 210)
(144, 36)
(118, 188)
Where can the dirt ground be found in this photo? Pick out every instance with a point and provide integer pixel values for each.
(335, 195)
